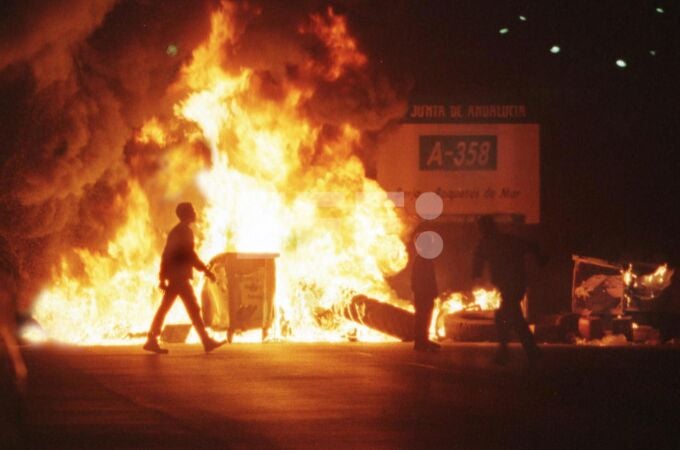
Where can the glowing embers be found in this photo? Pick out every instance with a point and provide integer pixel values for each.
(172, 50)
(643, 285)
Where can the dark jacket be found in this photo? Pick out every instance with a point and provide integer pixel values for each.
(505, 256)
(179, 256)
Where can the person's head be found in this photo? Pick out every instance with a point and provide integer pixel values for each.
(185, 212)
(486, 226)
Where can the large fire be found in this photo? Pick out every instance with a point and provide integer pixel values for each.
(265, 178)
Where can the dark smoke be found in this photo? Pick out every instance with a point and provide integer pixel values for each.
(78, 78)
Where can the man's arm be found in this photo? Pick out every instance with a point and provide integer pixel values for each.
(197, 263)
(163, 273)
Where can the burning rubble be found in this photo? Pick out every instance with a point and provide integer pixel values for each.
(609, 296)
(456, 311)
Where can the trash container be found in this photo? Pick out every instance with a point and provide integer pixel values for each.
(242, 296)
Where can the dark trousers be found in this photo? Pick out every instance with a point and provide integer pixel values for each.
(10, 403)
(509, 317)
(424, 307)
(186, 293)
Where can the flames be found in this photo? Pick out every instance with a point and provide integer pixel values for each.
(104, 296)
(450, 303)
(481, 300)
(264, 176)
(647, 286)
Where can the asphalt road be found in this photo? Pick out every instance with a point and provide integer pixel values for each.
(344, 396)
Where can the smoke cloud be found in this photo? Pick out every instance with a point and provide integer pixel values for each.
(78, 79)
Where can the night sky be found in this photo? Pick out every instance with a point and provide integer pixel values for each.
(609, 137)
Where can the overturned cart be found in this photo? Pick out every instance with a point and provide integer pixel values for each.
(242, 296)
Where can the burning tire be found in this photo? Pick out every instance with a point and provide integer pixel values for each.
(471, 326)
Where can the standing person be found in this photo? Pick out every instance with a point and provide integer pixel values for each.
(424, 287)
(13, 371)
(9, 281)
(177, 263)
(504, 255)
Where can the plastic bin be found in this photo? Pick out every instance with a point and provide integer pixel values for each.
(242, 296)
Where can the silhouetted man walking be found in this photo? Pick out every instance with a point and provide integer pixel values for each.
(9, 284)
(504, 255)
(12, 367)
(177, 264)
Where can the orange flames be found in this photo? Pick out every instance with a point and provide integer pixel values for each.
(450, 303)
(267, 180)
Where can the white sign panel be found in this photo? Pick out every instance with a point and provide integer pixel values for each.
(477, 168)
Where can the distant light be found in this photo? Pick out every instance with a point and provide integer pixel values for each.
(503, 30)
(523, 18)
(555, 49)
(172, 50)
(621, 63)
(652, 52)
(660, 10)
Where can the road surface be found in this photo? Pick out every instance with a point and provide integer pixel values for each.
(346, 396)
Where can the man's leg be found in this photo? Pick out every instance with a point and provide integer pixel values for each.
(503, 332)
(423, 318)
(523, 332)
(186, 293)
(420, 327)
(157, 323)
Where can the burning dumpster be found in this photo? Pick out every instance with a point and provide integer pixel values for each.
(242, 296)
